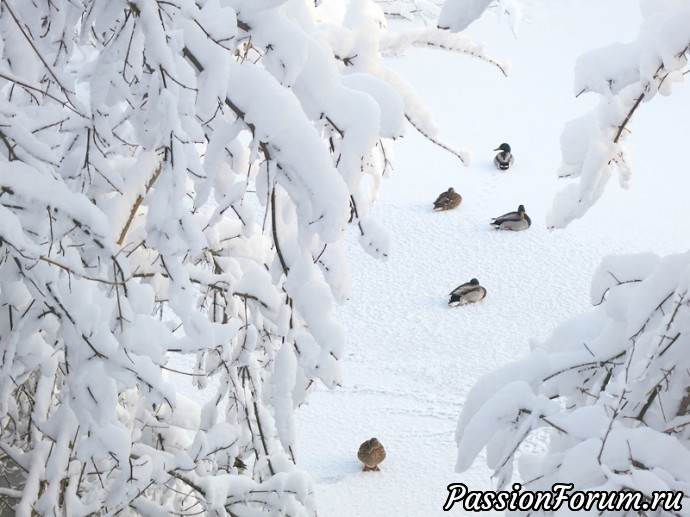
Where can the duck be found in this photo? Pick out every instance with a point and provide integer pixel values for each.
(447, 200)
(515, 221)
(469, 292)
(371, 453)
(504, 159)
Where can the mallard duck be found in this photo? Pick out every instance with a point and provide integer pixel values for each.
(447, 200)
(371, 453)
(504, 159)
(512, 220)
(468, 292)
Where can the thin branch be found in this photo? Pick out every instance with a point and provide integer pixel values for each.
(274, 229)
(39, 54)
(435, 140)
(628, 117)
(137, 204)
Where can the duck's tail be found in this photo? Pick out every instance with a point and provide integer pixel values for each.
(455, 300)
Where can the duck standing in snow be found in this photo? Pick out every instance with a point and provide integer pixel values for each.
(515, 221)
(468, 292)
(504, 159)
(447, 200)
(371, 453)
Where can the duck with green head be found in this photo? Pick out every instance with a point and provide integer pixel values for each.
(469, 292)
(514, 221)
(504, 159)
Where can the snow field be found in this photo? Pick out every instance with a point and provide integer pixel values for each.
(410, 359)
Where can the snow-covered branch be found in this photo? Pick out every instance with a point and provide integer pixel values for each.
(607, 393)
(626, 76)
(613, 385)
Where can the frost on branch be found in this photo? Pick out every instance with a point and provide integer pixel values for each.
(609, 388)
(625, 76)
(176, 178)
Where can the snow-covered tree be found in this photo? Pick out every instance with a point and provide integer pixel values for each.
(609, 389)
(626, 76)
(425, 10)
(175, 177)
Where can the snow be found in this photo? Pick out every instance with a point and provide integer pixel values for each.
(312, 297)
(457, 15)
(261, 98)
(392, 120)
(638, 71)
(410, 360)
(297, 124)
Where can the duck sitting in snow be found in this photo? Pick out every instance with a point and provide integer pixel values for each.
(468, 292)
(504, 159)
(512, 220)
(447, 200)
(371, 453)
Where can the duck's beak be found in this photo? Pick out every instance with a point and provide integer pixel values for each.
(497, 149)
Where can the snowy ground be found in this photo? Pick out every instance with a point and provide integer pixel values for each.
(410, 359)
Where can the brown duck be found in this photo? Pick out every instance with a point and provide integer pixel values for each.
(371, 453)
(447, 200)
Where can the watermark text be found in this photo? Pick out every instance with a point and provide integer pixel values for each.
(561, 495)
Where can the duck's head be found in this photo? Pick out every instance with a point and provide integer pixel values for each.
(503, 147)
(521, 211)
(451, 189)
(474, 281)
